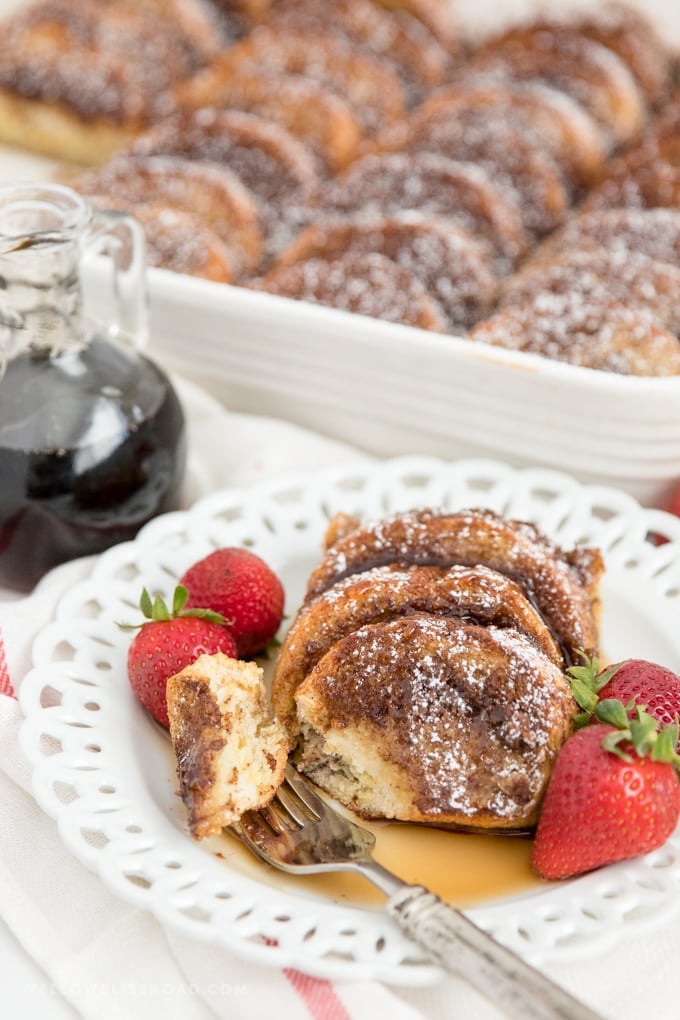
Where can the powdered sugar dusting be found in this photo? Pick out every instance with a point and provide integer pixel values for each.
(447, 261)
(583, 330)
(433, 184)
(651, 232)
(471, 537)
(473, 715)
(366, 284)
(600, 277)
(513, 158)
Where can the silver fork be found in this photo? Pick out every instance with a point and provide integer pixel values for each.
(300, 833)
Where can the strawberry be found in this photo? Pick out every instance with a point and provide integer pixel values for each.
(168, 643)
(635, 682)
(242, 588)
(674, 502)
(613, 794)
(653, 687)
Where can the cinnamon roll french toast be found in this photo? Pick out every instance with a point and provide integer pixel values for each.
(435, 719)
(600, 276)
(231, 755)
(550, 116)
(563, 585)
(366, 82)
(307, 109)
(514, 158)
(78, 78)
(449, 263)
(422, 678)
(596, 332)
(382, 185)
(392, 591)
(398, 38)
(212, 193)
(365, 283)
(563, 56)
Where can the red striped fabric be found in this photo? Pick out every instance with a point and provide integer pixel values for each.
(5, 682)
(318, 996)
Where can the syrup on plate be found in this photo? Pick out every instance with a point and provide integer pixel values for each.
(463, 869)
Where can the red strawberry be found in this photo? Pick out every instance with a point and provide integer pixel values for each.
(635, 682)
(613, 794)
(674, 503)
(652, 687)
(168, 643)
(242, 588)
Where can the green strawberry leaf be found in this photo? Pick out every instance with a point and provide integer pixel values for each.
(159, 611)
(612, 711)
(146, 605)
(612, 741)
(205, 614)
(644, 731)
(179, 599)
(584, 696)
(641, 731)
(665, 748)
(587, 680)
(156, 610)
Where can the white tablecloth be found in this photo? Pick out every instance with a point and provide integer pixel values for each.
(70, 949)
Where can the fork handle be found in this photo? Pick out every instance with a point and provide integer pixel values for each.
(517, 989)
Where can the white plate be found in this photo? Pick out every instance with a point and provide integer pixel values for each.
(103, 770)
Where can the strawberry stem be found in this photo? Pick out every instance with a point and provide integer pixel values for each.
(642, 732)
(156, 610)
(179, 599)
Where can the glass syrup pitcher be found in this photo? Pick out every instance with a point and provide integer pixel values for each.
(92, 435)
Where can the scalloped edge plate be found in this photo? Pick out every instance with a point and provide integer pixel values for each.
(106, 773)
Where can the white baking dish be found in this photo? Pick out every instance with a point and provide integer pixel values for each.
(393, 389)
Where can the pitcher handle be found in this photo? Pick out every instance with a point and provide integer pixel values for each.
(119, 237)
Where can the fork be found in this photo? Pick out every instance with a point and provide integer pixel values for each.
(300, 833)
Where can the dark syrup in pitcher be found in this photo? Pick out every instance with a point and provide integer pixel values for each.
(92, 446)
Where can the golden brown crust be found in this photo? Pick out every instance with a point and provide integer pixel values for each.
(311, 112)
(437, 17)
(398, 38)
(79, 78)
(437, 720)
(560, 55)
(231, 756)
(504, 150)
(198, 22)
(54, 129)
(212, 193)
(369, 85)
(633, 38)
(366, 284)
(563, 585)
(278, 169)
(654, 233)
(592, 333)
(556, 120)
(382, 185)
(177, 240)
(474, 593)
(446, 260)
(601, 276)
(639, 180)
